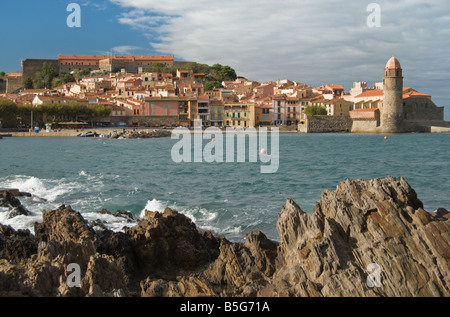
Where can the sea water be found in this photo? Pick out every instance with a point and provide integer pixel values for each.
(227, 198)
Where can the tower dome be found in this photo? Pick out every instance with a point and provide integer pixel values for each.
(393, 63)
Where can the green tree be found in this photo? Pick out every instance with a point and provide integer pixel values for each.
(37, 83)
(220, 73)
(48, 73)
(210, 85)
(7, 108)
(228, 73)
(28, 83)
(315, 111)
(158, 68)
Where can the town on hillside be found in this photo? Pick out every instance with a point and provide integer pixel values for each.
(157, 91)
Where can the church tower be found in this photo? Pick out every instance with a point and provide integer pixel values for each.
(392, 110)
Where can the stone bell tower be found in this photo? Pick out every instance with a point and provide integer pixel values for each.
(392, 110)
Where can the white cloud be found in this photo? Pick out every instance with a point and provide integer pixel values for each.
(310, 41)
(125, 49)
(99, 5)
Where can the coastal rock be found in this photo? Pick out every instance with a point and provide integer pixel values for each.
(366, 238)
(361, 225)
(242, 269)
(169, 243)
(182, 287)
(63, 224)
(16, 246)
(16, 208)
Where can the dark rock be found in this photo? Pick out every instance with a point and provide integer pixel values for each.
(169, 243)
(16, 246)
(15, 206)
(361, 226)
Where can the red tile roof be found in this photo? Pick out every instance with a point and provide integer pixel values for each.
(118, 57)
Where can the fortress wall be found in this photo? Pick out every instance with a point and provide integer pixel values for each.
(365, 126)
(326, 124)
(31, 67)
(422, 108)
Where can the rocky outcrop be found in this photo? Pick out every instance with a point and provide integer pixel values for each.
(15, 207)
(366, 238)
(157, 133)
(379, 224)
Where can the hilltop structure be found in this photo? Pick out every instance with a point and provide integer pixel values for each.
(395, 109)
(109, 63)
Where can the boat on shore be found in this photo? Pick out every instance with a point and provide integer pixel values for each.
(88, 135)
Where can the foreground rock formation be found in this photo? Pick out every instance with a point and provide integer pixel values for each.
(366, 238)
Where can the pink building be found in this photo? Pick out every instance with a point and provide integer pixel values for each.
(162, 106)
(264, 90)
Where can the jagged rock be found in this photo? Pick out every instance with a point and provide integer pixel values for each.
(243, 268)
(63, 224)
(16, 246)
(366, 238)
(168, 243)
(16, 208)
(105, 276)
(328, 252)
(182, 287)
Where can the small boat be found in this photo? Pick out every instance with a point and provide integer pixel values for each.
(88, 135)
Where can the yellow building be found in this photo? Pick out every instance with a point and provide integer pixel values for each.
(338, 107)
(239, 115)
(217, 113)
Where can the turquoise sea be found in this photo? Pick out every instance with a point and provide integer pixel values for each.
(227, 198)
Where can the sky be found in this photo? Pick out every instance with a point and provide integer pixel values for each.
(311, 41)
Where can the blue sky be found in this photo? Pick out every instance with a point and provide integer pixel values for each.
(312, 41)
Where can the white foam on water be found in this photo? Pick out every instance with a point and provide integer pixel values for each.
(154, 205)
(47, 189)
(111, 222)
(19, 222)
(82, 173)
